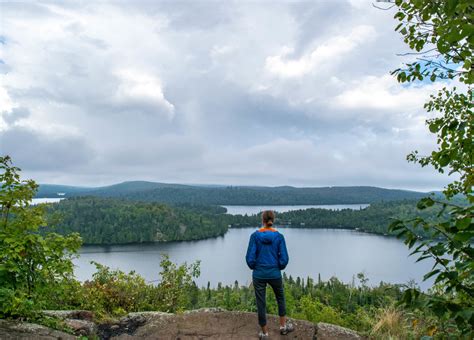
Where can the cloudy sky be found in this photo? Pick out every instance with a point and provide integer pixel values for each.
(268, 93)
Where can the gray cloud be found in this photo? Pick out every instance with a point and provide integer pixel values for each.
(209, 92)
(33, 151)
(15, 115)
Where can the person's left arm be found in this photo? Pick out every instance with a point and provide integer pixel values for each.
(251, 256)
(282, 254)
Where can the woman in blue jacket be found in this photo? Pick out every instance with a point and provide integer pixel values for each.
(267, 256)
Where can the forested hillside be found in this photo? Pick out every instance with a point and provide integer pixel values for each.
(112, 221)
(375, 218)
(53, 190)
(236, 195)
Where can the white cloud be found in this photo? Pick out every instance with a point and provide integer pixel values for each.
(137, 88)
(361, 4)
(218, 50)
(383, 93)
(323, 55)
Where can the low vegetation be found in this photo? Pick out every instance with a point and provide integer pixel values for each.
(371, 310)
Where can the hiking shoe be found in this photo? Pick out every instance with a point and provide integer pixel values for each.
(262, 335)
(287, 328)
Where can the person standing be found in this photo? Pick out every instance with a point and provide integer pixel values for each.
(267, 256)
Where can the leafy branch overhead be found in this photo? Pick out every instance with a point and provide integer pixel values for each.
(441, 33)
(455, 137)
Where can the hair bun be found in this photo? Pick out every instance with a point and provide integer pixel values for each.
(268, 216)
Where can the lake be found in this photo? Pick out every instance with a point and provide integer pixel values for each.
(45, 200)
(255, 209)
(328, 252)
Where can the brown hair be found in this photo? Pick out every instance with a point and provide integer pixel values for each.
(268, 217)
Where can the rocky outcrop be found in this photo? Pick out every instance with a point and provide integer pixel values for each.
(213, 324)
(327, 331)
(192, 325)
(10, 330)
(81, 322)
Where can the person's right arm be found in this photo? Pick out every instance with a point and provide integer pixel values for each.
(251, 256)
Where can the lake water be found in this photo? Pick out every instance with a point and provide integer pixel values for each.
(328, 252)
(255, 209)
(339, 253)
(45, 200)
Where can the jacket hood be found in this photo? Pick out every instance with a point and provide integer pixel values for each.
(267, 237)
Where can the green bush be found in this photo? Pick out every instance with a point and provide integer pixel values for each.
(112, 292)
(29, 262)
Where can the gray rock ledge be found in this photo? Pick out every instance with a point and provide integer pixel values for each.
(208, 323)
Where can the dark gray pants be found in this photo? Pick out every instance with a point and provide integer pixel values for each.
(260, 286)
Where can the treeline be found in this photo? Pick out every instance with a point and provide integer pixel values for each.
(114, 221)
(263, 195)
(234, 195)
(375, 218)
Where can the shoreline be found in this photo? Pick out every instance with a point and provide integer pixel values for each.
(240, 227)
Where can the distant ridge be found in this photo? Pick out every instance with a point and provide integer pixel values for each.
(54, 190)
(232, 195)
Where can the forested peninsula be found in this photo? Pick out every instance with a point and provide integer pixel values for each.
(117, 221)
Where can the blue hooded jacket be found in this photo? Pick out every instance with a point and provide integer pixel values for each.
(267, 254)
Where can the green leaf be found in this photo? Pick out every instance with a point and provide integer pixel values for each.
(424, 257)
(444, 160)
(442, 46)
(464, 236)
(430, 274)
(434, 127)
(402, 77)
(463, 223)
(425, 203)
